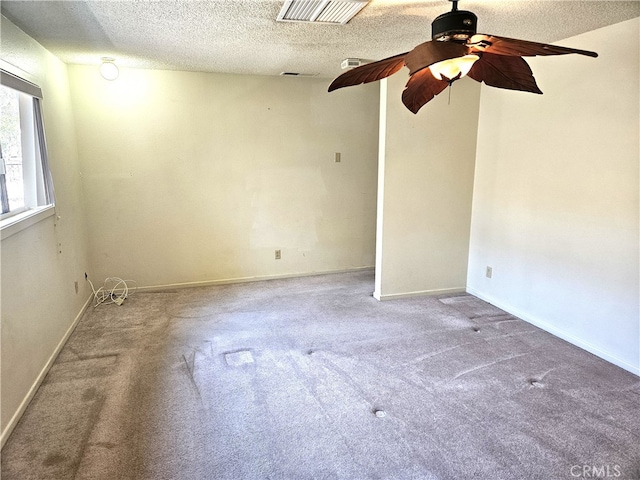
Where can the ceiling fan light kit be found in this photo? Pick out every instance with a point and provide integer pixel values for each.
(457, 50)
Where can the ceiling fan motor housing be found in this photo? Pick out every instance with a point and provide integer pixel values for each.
(454, 25)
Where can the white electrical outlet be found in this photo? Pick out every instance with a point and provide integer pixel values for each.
(489, 272)
(278, 254)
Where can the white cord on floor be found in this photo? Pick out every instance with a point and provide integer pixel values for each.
(115, 290)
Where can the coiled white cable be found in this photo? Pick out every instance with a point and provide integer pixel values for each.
(115, 290)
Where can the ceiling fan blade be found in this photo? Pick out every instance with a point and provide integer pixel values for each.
(482, 42)
(421, 88)
(501, 71)
(369, 72)
(430, 52)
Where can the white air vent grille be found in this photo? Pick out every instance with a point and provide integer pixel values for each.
(301, 10)
(298, 74)
(323, 11)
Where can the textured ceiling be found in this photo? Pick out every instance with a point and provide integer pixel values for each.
(242, 36)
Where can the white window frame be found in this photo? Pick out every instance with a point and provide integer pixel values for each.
(39, 196)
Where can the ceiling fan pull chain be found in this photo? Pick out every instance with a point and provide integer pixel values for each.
(450, 83)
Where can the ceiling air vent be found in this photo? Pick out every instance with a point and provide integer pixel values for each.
(323, 11)
(297, 74)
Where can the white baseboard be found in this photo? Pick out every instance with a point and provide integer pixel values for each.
(43, 373)
(419, 293)
(228, 281)
(635, 369)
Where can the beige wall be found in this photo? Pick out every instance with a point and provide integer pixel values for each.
(425, 190)
(194, 177)
(41, 263)
(555, 209)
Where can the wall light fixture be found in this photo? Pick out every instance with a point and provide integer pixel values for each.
(108, 69)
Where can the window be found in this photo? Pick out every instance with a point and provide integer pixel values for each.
(26, 187)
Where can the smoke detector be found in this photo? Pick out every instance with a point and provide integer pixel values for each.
(350, 63)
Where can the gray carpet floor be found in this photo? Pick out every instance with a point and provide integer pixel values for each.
(312, 378)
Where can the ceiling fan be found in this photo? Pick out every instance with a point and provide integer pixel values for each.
(457, 50)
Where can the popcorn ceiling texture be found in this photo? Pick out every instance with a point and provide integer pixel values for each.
(243, 36)
(312, 378)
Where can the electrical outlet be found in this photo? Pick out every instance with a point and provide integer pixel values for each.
(489, 272)
(278, 254)
(338, 159)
